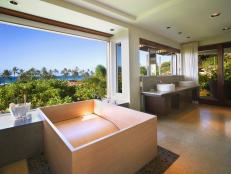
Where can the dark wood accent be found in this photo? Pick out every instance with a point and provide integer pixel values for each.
(150, 44)
(209, 101)
(164, 104)
(51, 22)
(175, 101)
(226, 45)
(214, 46)
(207, 47)
(158, 105)
(220, 73)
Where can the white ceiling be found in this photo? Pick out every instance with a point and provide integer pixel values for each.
(191, 17)
(47, 10)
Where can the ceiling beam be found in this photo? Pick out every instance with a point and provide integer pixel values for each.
(52, 22)
(111, 9)
(151, 44)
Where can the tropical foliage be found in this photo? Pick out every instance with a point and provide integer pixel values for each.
(143, 71)
(163, 69)
(42, 89)
(208, 72)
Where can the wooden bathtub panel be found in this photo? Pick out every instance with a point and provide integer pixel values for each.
(120, 116)
(57, 152)
(68, 111)
(124, 152)
(84, 129)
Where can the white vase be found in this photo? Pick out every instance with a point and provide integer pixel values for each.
(19, 110)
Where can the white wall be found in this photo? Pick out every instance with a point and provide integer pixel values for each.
(121, 37)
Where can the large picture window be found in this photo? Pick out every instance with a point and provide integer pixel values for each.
(47, 68)
(157, 59)
(153, 64)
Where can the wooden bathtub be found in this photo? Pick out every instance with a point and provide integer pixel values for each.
(93, 137)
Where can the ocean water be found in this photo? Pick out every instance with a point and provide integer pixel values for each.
(14, 79)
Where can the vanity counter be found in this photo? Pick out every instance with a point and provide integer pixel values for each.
(178, 89)
(162, 103)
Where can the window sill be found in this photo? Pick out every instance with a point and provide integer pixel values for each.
(7, 121)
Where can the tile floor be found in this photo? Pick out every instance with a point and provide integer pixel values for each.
(201, 135)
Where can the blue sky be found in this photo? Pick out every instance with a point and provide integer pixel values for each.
(143, 57)
(26, 48)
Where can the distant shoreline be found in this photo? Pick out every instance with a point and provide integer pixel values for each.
(13, 79)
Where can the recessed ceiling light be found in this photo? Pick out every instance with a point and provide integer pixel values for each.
(180, 32)
(112, 29)
(14, 2)
(168, 27)
(215, 15)
(226, 28)
(188, 37)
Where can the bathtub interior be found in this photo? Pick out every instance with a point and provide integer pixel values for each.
(84, 122)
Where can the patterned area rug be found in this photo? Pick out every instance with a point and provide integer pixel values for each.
(164, 159)
(161, 163)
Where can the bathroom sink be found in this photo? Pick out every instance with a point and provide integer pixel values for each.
(187, 83)
(165, 87)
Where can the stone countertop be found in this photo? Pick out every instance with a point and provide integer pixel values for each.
(160, 93)
(7, 120)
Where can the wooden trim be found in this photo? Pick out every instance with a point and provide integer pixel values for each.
(226, 45)
(51, 22)
(151, 44)
(214, 46)
(207, 47)
(220, 72)
(209, 102)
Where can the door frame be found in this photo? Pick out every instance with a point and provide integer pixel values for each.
(220, 73)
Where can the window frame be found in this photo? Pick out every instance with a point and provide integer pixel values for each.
(118, 45)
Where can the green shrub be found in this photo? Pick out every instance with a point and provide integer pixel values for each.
(51, 92)
(38, 92)
(91, 88)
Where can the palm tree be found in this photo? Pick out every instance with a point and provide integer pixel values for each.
(15, 70)
(51, 72)
(21, 71)
(65, 73)
(75, 73)
(32, 73)
(100, 72)
(46, 74)
(38, 73)
(55, 71)
(6, 75)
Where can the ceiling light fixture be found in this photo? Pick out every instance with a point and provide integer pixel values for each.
(226, 28)
(215, 15)
(14, 2)
(168, 28)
